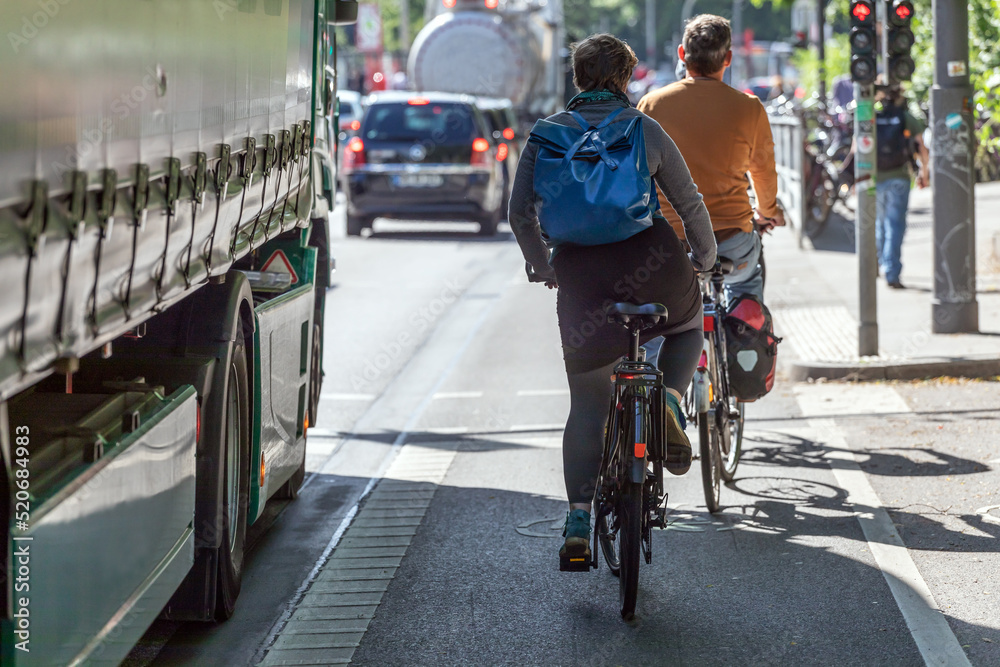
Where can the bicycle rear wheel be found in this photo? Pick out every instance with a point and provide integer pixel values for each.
(822, 195)
(732, 441)
(709, 437)
(609, 543)
(630, 544)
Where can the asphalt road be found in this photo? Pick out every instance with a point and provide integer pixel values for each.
(858, 531)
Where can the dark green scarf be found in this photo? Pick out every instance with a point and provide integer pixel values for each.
(596, 96)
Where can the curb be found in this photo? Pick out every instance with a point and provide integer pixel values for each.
(918, 369)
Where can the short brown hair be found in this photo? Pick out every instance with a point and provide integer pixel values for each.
(707, 40)
(602, 61)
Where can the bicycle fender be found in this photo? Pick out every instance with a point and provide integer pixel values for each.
(638, 470)
(701, 384)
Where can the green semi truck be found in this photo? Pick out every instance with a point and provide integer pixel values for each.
(166, 175)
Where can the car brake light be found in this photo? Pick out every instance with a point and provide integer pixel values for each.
(418, 101)
(492, 4)
(501, 152)
(448, 3)
(508, 134)
(354, 153)
(480, 150)
(355, 125)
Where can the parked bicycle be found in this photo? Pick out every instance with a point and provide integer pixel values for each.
(828, 178)
(631, 499)
(709, 401)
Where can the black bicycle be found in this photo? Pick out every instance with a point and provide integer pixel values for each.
(709, 401)
(630, 499)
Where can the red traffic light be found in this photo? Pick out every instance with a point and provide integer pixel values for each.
(861, 11)
(902, 12)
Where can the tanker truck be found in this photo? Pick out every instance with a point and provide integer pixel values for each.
(493, 48)
(165, 181)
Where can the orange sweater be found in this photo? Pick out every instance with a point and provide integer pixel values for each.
(722, 134)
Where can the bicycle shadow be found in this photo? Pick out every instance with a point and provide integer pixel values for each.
(838, 235)
(782, 449)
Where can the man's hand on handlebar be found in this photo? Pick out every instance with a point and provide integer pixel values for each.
(765, 225)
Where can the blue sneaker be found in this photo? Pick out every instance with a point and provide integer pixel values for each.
(575, 556)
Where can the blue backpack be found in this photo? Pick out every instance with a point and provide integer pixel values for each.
(592, 184)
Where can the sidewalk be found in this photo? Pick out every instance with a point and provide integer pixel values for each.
(813, 296)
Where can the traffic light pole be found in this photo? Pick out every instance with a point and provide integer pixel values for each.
(954, 308)
(864, 217)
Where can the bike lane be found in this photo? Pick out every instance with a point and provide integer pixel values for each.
(783, 575)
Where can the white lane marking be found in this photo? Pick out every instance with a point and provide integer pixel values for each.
(346, 397)
(538, 427)
(928, 626)
(543, 392)
(457, 394)
(834, 399)
(987, 517)
(447, 430)
(314, 432)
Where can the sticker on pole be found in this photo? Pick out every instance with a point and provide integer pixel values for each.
(278, 263)
(865, 143)
(957, 68)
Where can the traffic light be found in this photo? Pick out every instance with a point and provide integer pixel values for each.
(862, 40)
(900, 40)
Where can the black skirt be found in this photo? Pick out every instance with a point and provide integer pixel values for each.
(650, 267)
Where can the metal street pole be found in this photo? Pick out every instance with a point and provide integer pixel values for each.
(954, 308)
(404, 27)
(821, 50)
(739, 50)
(864, 218)
(651, 34)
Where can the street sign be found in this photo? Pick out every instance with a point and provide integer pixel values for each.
(368, 30)
(278, 263)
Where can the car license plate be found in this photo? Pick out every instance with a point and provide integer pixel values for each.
(418, 180)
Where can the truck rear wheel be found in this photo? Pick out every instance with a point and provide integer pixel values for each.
(488, 223)
(356, 223)
(236, 481)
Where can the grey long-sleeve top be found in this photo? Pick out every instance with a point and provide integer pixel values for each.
(667, 167)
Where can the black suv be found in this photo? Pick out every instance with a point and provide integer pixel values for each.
(423, 156)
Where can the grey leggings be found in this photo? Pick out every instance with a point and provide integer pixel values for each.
(590, 396)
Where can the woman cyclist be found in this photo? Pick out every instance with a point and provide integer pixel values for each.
(650, 266)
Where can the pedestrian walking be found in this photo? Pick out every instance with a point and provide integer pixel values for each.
(899, 137)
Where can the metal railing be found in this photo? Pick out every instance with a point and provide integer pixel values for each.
(789, 153)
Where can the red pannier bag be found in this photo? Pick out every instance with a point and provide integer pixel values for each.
(751, 348)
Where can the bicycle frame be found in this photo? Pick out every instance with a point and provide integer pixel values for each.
(713, 304)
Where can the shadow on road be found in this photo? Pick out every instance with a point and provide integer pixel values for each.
(838, 235)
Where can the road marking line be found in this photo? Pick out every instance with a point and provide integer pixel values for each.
(927, 624)
(457, 394)
(543, 392)
(986, 516)
(538, 427)
(447, 430)
(346, 397)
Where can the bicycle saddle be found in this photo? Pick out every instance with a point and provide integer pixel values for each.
(647, 313)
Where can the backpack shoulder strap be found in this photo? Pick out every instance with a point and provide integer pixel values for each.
(610, 117)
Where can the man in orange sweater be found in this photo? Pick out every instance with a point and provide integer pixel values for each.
(722, 134)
